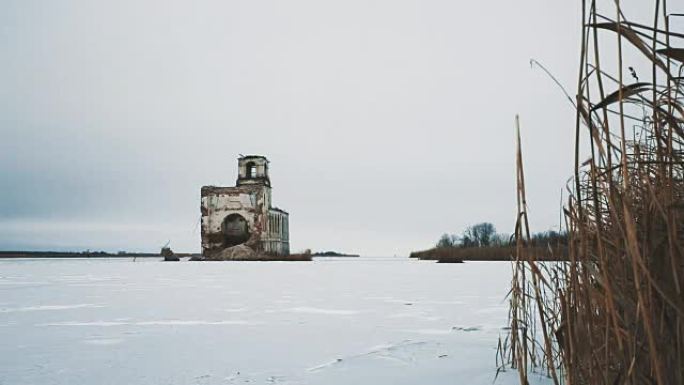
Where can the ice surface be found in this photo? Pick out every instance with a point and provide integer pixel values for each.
(332, 321)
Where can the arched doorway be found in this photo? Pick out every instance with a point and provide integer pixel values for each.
(235, 230)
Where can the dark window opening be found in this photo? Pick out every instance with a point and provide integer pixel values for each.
(251, 170)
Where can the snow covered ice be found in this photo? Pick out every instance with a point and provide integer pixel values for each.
(332, 321)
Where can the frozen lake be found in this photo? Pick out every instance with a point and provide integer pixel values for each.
(332, 321)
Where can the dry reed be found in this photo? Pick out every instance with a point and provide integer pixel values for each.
(614, 312)
(491, 253)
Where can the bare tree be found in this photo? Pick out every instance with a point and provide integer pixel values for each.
(447, 240)
(479, 235)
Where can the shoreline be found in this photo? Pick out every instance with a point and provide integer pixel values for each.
(84, 254)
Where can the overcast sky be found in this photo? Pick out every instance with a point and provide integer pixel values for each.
(387, 123)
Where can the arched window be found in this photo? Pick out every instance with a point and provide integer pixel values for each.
(251, 170)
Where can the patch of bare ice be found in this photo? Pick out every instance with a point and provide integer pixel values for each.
(103, 341)
(416, 315)
(427, 331)
(316, 310)
(20, 283)
(153, 323)
(49, 307)
(466, 328)
(235, 310)
(402, 352)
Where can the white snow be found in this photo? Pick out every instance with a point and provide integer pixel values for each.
(376, 321)
(313, 310)
(47, 307)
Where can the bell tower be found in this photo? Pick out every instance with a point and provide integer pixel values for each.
(253, 170)
(243, 214)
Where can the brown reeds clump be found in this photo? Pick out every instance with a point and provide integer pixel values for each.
(489, 253)
(613, 313)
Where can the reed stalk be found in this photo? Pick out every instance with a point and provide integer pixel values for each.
(612, 312)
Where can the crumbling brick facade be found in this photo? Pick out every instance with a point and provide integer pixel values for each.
(243, 214)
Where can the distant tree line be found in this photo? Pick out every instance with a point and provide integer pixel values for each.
(484, 235)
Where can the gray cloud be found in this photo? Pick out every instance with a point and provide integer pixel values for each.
(386, 122)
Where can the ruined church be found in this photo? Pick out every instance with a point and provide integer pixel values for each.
(244, 214)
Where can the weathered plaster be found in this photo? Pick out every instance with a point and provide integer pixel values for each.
(268, 227)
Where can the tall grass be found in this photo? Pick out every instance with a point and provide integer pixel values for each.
(614, 312)
(549, 252)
